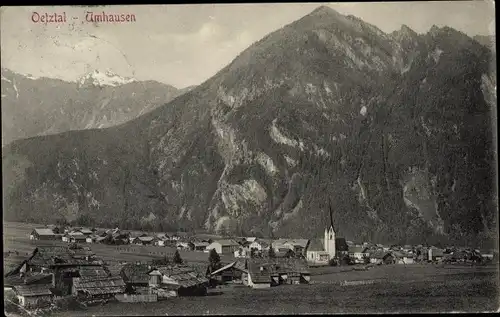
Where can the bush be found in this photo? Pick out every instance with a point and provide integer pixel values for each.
(333, 262)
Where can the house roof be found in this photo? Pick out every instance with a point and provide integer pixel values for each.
(44, 231)
(275, 266)
(355, 249)
(32, 290)
(235, 264)
(227, 242)
(298, 242)
(146, 238)
(379, 254)
(135, 273)
(59, 255)
(437, 252)
(101, 285)
(184, 276)
(92, 272)
(79, 237)
(201, 244)
(316, 245)
(38, 279)
(85, 230)
(250, 239)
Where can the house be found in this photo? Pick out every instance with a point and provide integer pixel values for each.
(285, 253)
(85, 231)
(230, 273)
(198, 246)
(242, 252)
(78, 239)
(175, 280)
(264, 273)
(224, 246)
(136, 278)
(62, 262)
(381, 257)
(43, 234)
(435, 254)
(145, 240)
(161, 240)
(250, 239)
(316, 253)
(74, 233)
(182, 245)
(402, 257)
(98, 287)
(358, 254)
(34, 296)
(255, 245)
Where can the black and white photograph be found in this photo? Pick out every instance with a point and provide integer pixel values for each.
(249, 159)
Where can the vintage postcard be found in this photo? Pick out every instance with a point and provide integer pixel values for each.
(262, 159)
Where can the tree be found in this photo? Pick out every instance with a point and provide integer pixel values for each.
(214, 260)
(177, 257)
(271, 253)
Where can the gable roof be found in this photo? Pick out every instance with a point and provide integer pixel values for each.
(146, 238)
(298, 242)
(59, 255)
(184, 276)
(316, 245)
(355, 249)
(102, 285)
(92, 272)
(227, 242)
(135, 273)
(44, 231)
(32, 290)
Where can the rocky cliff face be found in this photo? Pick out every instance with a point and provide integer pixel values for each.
(41, 106)
(393, 129)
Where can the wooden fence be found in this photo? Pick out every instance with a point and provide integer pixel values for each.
(135, 298)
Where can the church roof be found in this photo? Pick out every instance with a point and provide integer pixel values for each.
(316, 245)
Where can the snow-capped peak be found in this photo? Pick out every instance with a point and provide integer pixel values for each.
(106, 78)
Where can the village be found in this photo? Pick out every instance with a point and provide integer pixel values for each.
(63, 265)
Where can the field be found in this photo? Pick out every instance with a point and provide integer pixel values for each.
(16, 238)
(412, 288)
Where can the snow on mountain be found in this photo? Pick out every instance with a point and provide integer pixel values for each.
(106, 78)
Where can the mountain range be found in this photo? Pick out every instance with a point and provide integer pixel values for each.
(40, 106)
(394, 131)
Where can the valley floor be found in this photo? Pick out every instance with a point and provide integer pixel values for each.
(389, 288)
(468, 289)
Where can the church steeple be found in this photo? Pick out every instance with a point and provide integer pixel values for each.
(329, 241)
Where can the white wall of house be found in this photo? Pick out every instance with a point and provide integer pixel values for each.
(318, 257)
(255, 245)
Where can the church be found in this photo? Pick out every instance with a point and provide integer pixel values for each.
(321, 252)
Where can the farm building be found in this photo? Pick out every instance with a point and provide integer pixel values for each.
(62, 262)
(136, 278)
(230, 273)
(224, 246)
(33, 296)
(264, 273)
(43, 234)
(98, 287)
(198, 246)
(172, 281)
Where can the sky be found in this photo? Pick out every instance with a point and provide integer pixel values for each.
(184, 45)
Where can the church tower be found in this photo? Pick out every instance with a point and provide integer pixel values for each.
(329, 239)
